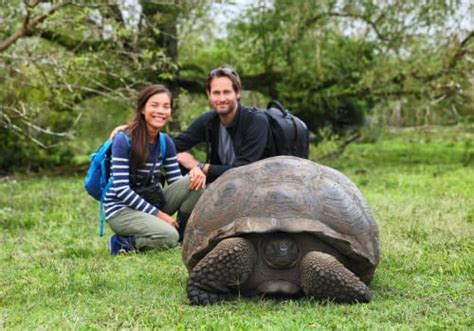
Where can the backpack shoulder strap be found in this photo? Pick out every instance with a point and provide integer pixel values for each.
(163, 147)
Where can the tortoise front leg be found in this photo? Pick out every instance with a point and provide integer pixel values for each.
(229, 264)
(324, 277)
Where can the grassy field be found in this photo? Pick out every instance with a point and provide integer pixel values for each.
(56, 273)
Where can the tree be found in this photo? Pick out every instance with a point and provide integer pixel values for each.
(336, 62)
(59, 58)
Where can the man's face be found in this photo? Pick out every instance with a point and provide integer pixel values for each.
(222, 96)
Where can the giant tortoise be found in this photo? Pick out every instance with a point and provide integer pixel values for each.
(282, 226)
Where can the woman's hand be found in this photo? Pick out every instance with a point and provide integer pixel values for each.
(197, 179)
(117, 129)
(167, 218)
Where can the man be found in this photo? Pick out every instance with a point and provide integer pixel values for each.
(234, 134)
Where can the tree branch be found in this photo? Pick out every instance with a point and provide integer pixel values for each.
(30, 24)
(7, 123)
(452, 63)
(315, 19)
(363, 18)
(259, 82)
(74, 45)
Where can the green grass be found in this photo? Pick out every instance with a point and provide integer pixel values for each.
(56, 272)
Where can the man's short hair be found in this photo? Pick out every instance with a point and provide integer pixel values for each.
(224, 71)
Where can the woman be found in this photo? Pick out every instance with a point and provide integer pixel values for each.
(138, 224)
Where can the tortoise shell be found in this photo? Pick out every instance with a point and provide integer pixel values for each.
(285, 194)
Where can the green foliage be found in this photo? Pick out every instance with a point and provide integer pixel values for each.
(98, 117)
(81, 59)
(335, 63)
(56, 272)
(17, 150)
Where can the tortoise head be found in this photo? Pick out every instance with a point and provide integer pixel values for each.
(280, 251)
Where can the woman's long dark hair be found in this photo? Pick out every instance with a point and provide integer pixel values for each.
(137, 125)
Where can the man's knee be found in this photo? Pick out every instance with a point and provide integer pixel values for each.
(191, 199)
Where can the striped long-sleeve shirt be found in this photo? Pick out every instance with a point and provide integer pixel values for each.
(121, 195)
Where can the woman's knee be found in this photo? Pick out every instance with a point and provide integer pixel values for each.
(171, 238)
(162, 235)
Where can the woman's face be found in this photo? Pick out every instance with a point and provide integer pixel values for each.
(157, 111)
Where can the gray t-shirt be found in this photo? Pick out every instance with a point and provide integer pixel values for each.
(226, 147)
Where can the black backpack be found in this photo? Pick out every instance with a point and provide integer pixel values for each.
(290, 134)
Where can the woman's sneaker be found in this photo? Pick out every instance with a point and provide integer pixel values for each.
(121, 244)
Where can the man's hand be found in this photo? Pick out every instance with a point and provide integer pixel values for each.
(187, 160)
(197, 179)
(167, 218)
(117, 129)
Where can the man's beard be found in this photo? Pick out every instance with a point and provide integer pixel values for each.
(226, 111)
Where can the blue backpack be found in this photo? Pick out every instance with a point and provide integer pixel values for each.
(98, 180)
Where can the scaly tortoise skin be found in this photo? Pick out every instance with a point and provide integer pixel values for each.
(281, 226)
